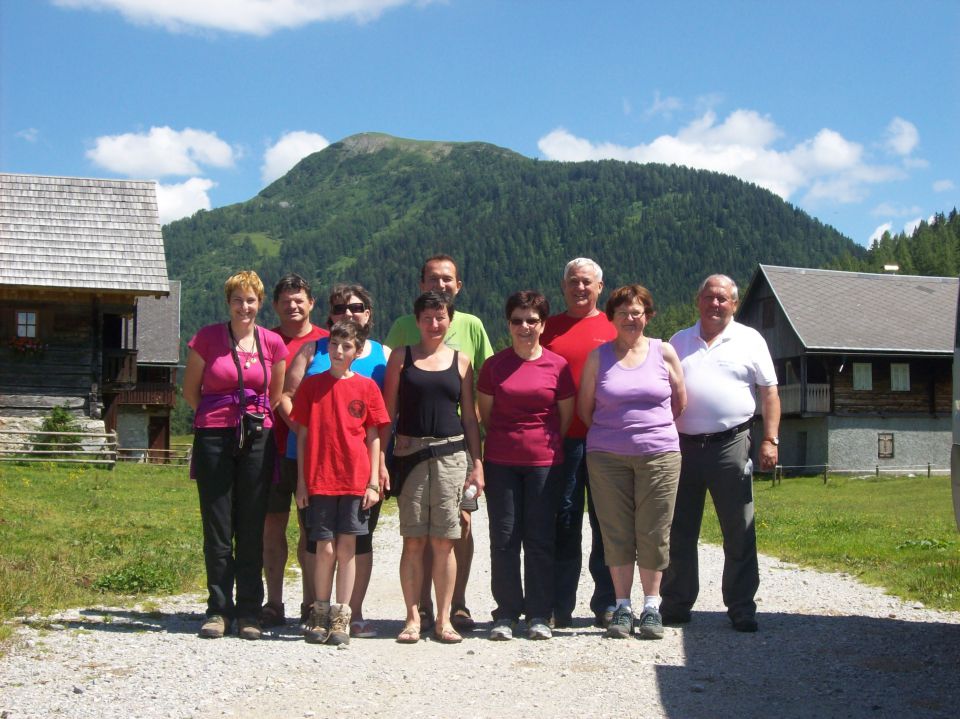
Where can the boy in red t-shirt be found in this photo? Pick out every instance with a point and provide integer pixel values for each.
(338, 454)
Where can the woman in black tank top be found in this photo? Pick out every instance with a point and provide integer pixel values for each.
(429, 391)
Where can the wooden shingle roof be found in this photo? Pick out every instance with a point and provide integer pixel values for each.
(860, 311)
(76, 233)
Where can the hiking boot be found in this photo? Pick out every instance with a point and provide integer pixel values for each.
(650, 625)
(603, 619)
(621, 625)
(272, 615)
(502, 630)
(538, 629)
(339, 624)
(249, 629)
(214, 627)
(318, 623)
(560, 621)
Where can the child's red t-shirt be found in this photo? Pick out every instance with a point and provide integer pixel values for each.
(337, 413)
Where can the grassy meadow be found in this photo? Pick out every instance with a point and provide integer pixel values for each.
(74, 536)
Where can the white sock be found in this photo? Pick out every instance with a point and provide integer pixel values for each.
(651, 602)
(623, 602)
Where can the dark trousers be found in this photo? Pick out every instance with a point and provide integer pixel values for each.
(522, 510)
(725, 470)
(568, 554)
(233, 505)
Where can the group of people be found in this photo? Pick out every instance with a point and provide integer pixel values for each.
(581, 406)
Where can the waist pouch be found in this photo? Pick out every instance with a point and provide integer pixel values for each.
(401, 466)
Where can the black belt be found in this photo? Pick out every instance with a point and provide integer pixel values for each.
(400, 466)
(717, 436)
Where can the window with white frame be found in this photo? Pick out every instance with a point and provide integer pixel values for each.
(26, 324)
(862, 376)
(900, 376)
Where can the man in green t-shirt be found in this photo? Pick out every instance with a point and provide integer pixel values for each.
(467, 335)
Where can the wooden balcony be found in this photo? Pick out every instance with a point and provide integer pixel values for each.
(157, 394)
(817, 398)
(119, 369)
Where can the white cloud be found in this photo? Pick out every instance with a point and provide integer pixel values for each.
(665, 106)
(878, 233)
(943, 186)
(913, 224)
(885, 209)
(30, 134)
(828, 166)
(183, 199)
(161, 151)
(902, 136)
(288, 151)
(253, 17)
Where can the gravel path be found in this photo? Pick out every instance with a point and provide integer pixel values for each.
(827, 647)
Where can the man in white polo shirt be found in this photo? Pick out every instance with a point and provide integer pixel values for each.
(723, 362)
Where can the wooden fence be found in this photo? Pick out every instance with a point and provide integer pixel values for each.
(60, 447)
(83, 448)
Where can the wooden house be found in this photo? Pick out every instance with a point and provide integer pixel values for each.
(864, 363)
(141, 415)
(76, 257)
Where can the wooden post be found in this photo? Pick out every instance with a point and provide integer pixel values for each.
(878, 471)
(824, 474)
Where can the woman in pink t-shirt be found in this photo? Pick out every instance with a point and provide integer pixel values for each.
(233, 381)
(525, 395)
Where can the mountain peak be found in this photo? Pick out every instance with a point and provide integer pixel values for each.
(368, 143)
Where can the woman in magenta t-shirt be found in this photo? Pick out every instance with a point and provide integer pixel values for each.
(233, 454)
(525, 395)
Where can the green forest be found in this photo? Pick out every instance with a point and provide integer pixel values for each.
(371, 207)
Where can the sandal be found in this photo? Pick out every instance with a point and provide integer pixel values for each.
(461, 620)
(447, 635)
(363, 629)
(271, 615)
(409, 635)
(426, 620)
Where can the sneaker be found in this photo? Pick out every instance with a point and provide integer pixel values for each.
(650, 625)
(538, 629)
(603, 619)
(214, 627)
(339, 624)
(249, 629)
(502, 630)
(318, 623)
(621, 625)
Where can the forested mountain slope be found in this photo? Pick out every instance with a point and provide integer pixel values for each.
(371, 207)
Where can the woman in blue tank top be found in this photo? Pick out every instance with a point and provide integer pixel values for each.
(630, 393)
(346, 302)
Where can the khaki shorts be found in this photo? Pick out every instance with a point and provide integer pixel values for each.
(634, 498)
(429, 502)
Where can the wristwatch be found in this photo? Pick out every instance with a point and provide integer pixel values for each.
(775, 441)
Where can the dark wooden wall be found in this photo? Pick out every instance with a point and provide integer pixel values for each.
(930, 392)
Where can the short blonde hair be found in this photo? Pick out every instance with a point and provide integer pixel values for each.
(244, 280)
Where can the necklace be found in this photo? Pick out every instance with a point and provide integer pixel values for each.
(252, 357)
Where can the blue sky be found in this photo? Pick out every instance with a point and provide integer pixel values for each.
(848, 110)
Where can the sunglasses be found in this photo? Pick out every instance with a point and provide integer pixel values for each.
(531, 321)
(355, 307)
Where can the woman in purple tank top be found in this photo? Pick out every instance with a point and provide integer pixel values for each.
(630, 393)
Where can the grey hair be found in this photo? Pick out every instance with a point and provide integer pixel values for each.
(579, 262)
(734, 292)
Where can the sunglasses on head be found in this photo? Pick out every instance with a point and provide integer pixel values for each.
(355, 307)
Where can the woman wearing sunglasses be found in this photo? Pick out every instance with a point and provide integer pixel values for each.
(525, 395)
(347, 301)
